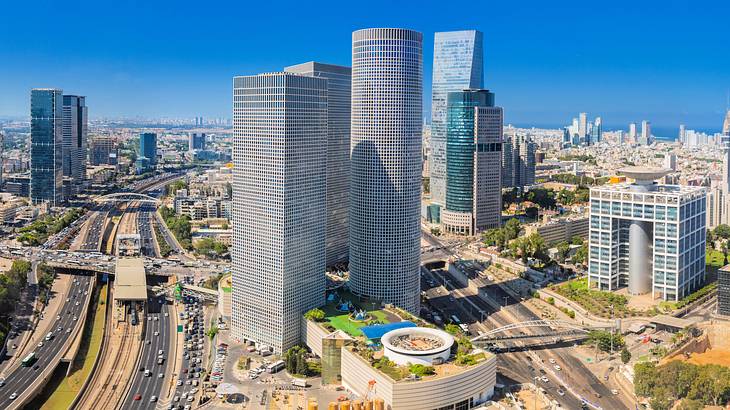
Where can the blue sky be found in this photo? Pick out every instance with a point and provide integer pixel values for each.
(666, 61)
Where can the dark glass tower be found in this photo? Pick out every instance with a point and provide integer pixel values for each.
(148, 146)
(46, 146)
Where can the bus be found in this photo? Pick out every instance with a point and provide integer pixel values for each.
(455, 319)
(275, 367)
(28, 360)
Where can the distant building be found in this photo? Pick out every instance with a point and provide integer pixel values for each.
(279, 205)
(196, 141)
(75, 131)
(647, 236)
(473, 157)
(103, 151)
(670, 161)
(338, 154)
(632, 133)
(46, 146)
(645, 133)
(597, 131)
(582, 126)
(148, 147)
(726, 124)
(518, 161)
(458, 64)
(558, 230)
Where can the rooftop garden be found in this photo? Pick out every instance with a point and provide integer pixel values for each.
(600, 303)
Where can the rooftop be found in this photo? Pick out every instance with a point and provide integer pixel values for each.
(130, 282)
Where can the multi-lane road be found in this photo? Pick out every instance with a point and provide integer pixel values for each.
(157, 336)
(20, 380)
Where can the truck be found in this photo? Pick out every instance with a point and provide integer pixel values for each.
(299, 382)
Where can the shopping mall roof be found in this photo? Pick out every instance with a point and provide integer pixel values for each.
(672, 322)
(375, 332)
(130, 282)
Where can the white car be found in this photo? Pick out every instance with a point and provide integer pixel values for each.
(552, 361)
(13, 396)
(157, 333)
(544, 379)
(557, 367)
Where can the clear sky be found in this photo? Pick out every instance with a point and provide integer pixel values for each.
(665, 61)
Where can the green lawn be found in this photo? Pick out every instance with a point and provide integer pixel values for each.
(714, 260)
(69, 387)
(342, 321)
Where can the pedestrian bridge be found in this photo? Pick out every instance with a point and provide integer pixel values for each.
(119, 197)
(535, 330)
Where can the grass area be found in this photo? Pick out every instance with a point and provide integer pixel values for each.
(226, 289)
(714, 260)
(69, 387)
(341, 321)
(598, 302)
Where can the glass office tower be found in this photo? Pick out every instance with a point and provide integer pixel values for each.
(647, 236)
(46, 146)
(148, 146)
(473, 160)
(458, 64)
(338, 154)
(279, 205)
(385, 184)
(75, 131)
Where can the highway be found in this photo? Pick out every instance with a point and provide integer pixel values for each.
(193, 353)
(144, 227)
(94, 229)
(518, 365)
(150, 386)
(21, 378)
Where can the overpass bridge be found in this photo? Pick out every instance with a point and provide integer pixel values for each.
(536, 332)
(183, 289)
(119, 197)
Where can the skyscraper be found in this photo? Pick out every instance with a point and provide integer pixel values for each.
(597, 131)
(582, 126)
(518, 161)
(148, 146)
(458, 64)
(645, 133)
(385, 183)
(75, 130)
(279, 205)
(726, 124)
(103, 151)
(196, 141)
(338, 154)
(473, 159)
(46, 146)
(632, 133)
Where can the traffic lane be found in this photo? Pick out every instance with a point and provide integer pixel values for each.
(154, 387)
(22, 377)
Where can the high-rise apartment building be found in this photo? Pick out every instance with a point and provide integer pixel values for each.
(385, 182)
(148, 146)
(46, 146)
(279, 205)
(338, 154)
(103, 151)
(582, 126)
(645, 133)
(647, 236)
(473, 160)
(597, 131)
(196, 141)
(458, 64)
(518, 161)
(632, 133)
(726, 124)
(75, 131)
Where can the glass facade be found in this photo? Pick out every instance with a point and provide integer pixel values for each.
(460, 147)
(458, 64)
(46, 151)
(148, 146)
(676, 217)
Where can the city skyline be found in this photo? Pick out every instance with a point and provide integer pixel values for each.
(541, 65)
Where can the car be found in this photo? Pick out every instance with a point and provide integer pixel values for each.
(40, 344)
(68, 330)
(544, 379)
(161, 375)
(68, 300)
(149, 318)
(75, 318)
(13, 396)
(157, 333)
(188, 382)
(176, 398)
(557, 367)
(137, 397)
(179, 382)
(153, 399)
(58, 317)
(148, 342)
(190, 399)
(551, 360)
(561, 392)
(614, 392)
(77, 303)
(185, 370)
(159, 352)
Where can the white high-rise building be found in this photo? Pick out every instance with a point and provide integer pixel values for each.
(458, 64)
(279, 205)
(632, 133)
(645, 132)
(338, 154)
(385, 183)
(582, 125)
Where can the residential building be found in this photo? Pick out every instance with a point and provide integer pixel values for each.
(632, 133)
(597, 131)
(458, 64)
(75, 131)
(196, 141)
(148, 147)
(473, 163)
(46, 146)
(338, 154)
(726, 124)
(582, 126)
(279, 205)
(518, 161)
(385, 182)
(647, 236)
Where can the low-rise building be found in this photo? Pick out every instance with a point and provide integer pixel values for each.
(562, 229)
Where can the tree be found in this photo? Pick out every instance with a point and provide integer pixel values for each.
(315, 314)
(625, 355)
(581, 255)
(494, 237)
(722, 231)
(511, 229)
(452, 329)
(602, 339)
(563, 251)
(645, 375)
